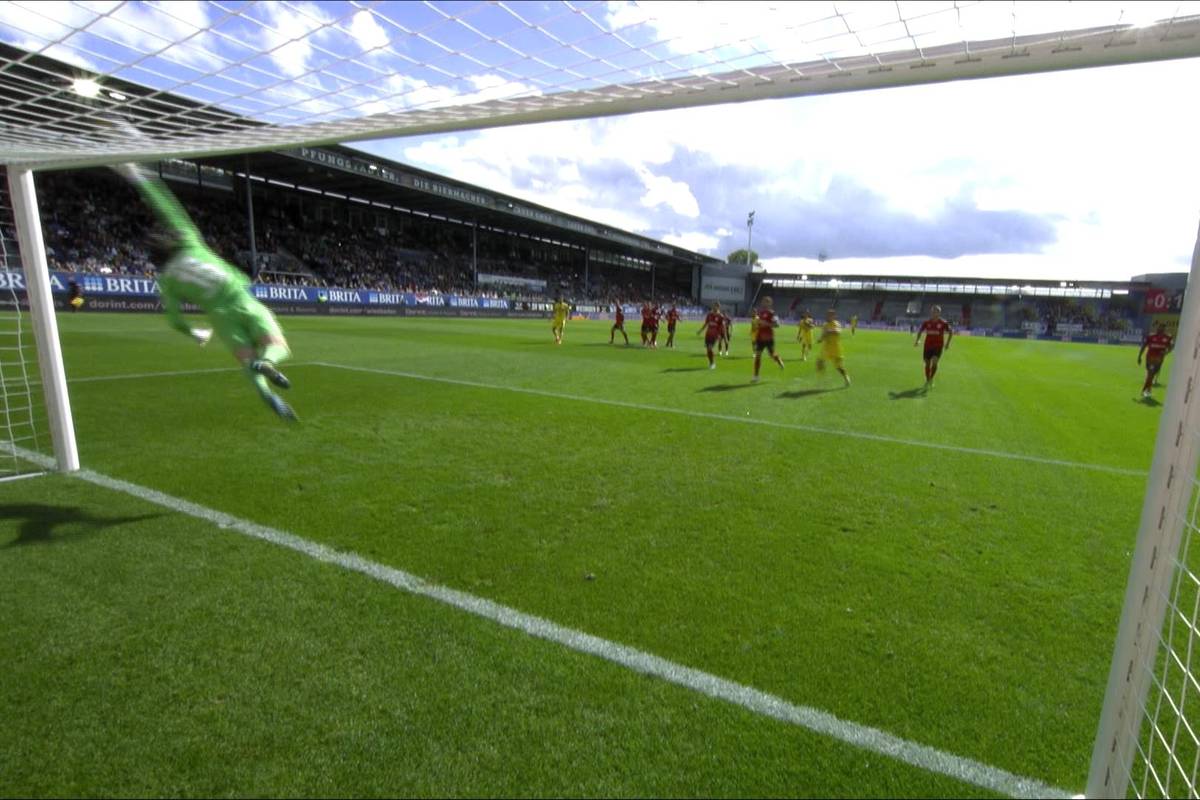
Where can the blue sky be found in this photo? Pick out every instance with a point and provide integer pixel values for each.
(1089, 174)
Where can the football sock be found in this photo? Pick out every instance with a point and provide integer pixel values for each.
(260, 383)
(276, 353)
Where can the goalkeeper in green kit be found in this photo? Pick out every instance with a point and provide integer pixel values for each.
(189, 271)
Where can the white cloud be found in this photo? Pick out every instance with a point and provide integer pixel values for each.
(1103, 164)
(86, 28)
(568, 173)
(496, 158)
(662, 190)
(289, 34)
(367, 31)
(175, 21)
(46, 21)
(408, 92)
(496, 87)
(143, 28)
(693, 240)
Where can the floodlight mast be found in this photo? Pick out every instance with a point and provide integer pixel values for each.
(749, 230)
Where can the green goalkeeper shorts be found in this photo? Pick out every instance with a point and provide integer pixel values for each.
(244, 322)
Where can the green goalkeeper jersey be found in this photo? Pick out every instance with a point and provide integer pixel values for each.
(194, 274)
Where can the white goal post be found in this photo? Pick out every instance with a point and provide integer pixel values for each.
(1148, 741)
(45, 325)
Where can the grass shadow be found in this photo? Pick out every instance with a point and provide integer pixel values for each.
(1147, 401)
(685, 369)
(39, 522)
(727, 387)
(802, 393)
(910, 394)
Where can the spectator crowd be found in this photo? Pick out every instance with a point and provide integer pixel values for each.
(94, 223)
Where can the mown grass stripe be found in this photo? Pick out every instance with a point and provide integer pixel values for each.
(754, 700)
(874, 437)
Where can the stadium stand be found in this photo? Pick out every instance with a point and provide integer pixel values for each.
(1115, 309)
(94, 224)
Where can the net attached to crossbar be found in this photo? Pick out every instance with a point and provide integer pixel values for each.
(222, 77)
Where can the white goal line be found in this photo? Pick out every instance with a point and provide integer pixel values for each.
(715, 687)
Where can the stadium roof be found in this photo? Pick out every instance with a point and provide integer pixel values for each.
(352, 173)
(775, 277)
(1002, 287)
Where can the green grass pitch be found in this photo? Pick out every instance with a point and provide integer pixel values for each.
(791, 536)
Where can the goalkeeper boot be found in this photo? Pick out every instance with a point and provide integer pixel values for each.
(280, 407)
(268, 371)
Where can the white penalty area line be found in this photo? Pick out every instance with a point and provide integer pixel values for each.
(871, 739)
(169, 374)
(137, 375)
(873, 437)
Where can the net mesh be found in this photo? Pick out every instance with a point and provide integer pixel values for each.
(23, 423)
(1166, 737)
(228, 76)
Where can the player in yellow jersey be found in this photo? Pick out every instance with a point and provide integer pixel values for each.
(831, 345)
(804, 335)
(561, 309)
(853, 324)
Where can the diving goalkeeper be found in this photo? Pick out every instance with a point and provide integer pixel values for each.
(189, 271)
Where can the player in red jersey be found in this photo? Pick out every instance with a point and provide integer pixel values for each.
(618, 325)
(1156, 347)
(713, 328)
(726, 333)
(656, 315)
(764, 338)
(938, 334)
(647, 323)
(672, 318)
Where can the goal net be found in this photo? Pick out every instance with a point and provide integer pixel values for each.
(24, 431)
(96, 82)
(222, 77)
